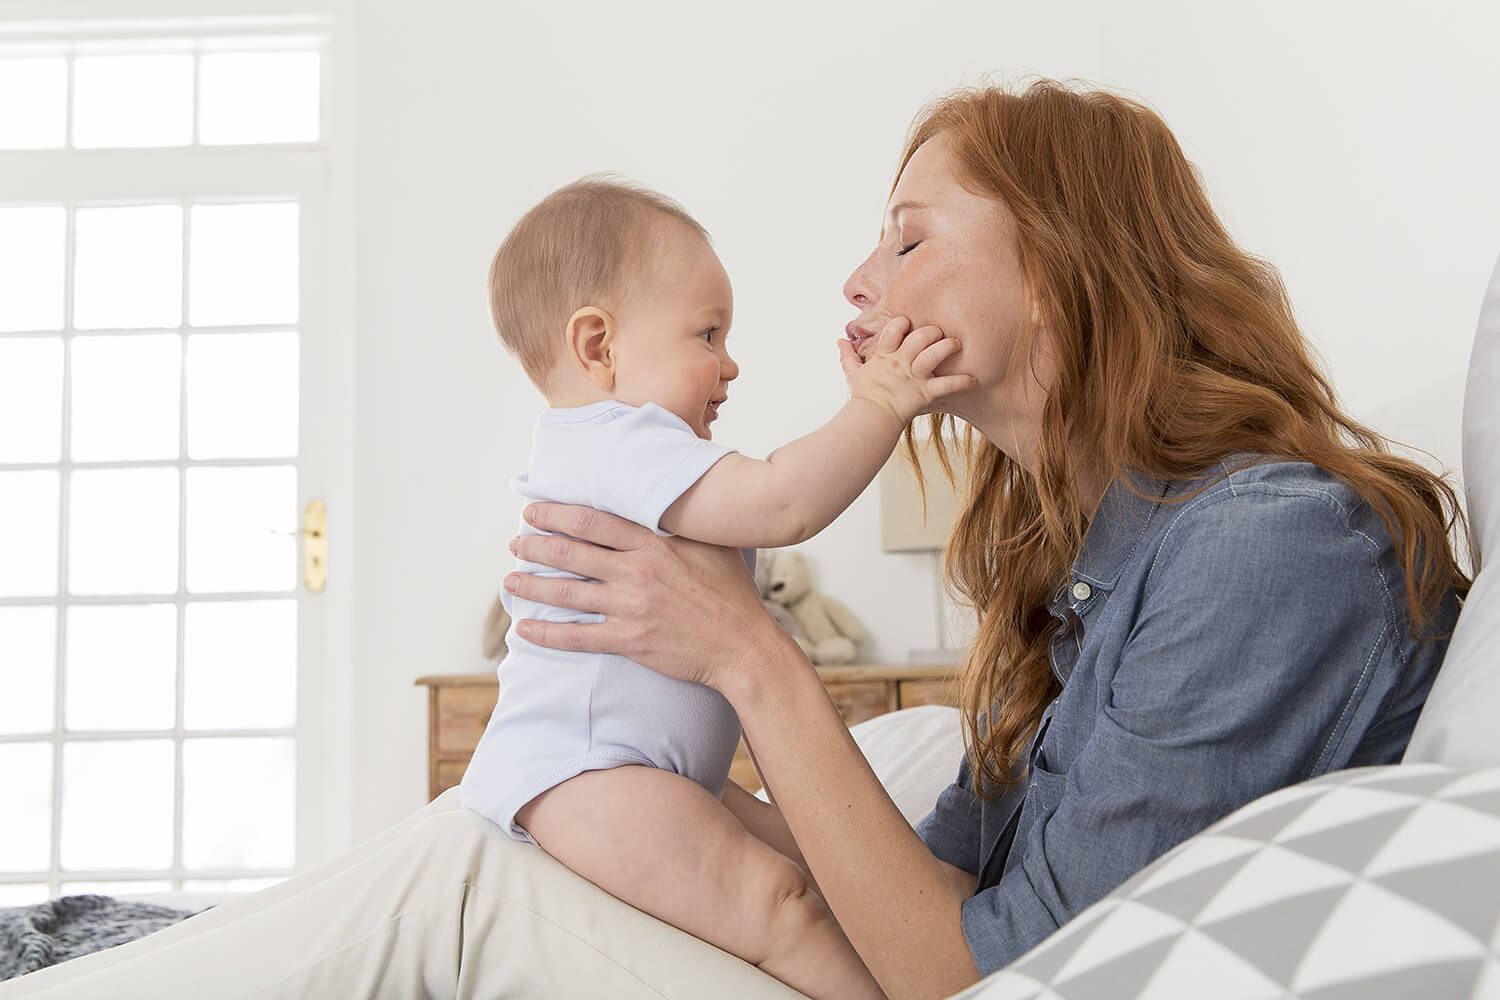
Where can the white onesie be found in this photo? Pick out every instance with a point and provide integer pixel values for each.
(561, 713)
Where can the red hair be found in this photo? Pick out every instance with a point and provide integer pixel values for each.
(1187, 351)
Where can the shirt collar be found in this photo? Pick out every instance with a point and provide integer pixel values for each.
(1116, 528)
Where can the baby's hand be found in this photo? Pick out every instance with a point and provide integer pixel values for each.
(896, 370)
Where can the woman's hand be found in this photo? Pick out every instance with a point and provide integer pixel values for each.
(683, 608)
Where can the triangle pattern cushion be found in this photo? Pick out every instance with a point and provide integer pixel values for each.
(1349, 933)
(1457, 725)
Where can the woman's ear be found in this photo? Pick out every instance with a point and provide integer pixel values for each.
(591, 343)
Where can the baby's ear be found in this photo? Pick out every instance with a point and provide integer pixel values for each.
(591, 344)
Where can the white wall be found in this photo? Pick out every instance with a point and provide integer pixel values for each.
(1356, 145)
(1352, 144)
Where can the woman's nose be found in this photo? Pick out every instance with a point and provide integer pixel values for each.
(860, 290)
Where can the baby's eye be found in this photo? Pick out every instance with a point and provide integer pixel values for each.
(907, 249)
(708, 335)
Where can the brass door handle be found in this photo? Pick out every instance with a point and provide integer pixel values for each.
(314, 534)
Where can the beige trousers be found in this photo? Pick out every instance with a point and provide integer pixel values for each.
(443, 904)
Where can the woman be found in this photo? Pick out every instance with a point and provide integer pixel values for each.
(1197, 581)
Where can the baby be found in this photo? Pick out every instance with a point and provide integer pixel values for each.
(618, 309)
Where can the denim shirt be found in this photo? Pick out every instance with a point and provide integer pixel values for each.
(1211, 650)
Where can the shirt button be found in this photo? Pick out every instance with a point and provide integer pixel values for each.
(1081, 591)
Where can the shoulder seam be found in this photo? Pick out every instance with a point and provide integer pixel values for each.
(1335, 507)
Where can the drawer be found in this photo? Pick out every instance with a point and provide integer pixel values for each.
(449, 773)
(861, 700)
(937, 692)
(461, 716)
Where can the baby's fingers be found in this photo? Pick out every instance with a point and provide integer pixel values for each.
(849, 359)
(932, 355)
(889, 337)
(918, 341)
(947, 385)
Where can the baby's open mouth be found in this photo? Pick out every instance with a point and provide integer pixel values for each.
(713, 407)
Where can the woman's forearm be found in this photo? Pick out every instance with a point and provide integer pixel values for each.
(889, 893)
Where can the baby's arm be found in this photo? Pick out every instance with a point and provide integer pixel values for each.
(797, 490)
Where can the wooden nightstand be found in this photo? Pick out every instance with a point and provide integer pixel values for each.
(459, 705)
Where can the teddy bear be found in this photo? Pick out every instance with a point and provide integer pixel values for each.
(496, 624)
(778, 612)
(830, 633)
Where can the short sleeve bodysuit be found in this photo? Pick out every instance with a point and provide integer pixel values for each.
(561, 713)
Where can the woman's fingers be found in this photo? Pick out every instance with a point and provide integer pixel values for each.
(595, 637)
(587, 524)
(560, 592)
(568, 554)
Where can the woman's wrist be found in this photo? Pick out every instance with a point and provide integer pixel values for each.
(767, 657)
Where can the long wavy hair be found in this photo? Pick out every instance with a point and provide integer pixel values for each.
(1185, 350)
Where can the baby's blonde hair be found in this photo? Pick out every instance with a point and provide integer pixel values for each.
(576, 247)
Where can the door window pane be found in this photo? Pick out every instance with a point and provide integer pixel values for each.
(28, 533)
(239, 799)
(132, 100)
(242, 395)
(122, 531)
(253, 97)
(112, 888)
(126, 394)
(31, 372)
(240, 529)
(241, 665)
(244, 264)
(122, 667)
(26, 834)
(28, 663)
(117, 804)
(229, 884)
(33, 103)
(128, 268)
(23, 893)
(32, 254)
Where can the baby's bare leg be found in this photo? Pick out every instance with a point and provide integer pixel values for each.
(663, 844)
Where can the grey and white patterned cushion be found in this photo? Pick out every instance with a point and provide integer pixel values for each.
(1374, 883)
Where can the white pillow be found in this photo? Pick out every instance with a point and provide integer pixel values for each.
(1457, 726)
(915, 754)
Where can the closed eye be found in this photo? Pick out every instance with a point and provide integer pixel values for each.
(908, 249)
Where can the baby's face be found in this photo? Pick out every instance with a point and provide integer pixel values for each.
(670, 342)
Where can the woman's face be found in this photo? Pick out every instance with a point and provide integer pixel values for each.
(947, 257)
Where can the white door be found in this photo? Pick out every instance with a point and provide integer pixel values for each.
(171, 397)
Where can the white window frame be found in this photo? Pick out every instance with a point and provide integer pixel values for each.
(318, 176)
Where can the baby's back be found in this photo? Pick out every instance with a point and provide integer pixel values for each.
(560, 713)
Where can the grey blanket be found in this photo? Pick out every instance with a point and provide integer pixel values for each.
(34, 937)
